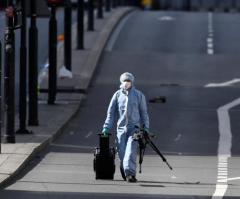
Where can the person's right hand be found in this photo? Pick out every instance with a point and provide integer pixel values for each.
(105, 132)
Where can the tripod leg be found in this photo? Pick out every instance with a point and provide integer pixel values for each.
(159, 153)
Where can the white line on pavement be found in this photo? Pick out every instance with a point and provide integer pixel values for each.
(224, 148)
(166, 18)
(210, 31)
(210, 45)
(210, 35)
(178, 137)
(220, 191)
(89, 134)
(210, 41)
(224, 84)
(231, 179)
(210, 51)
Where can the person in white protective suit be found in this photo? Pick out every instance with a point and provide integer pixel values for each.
(128, 105)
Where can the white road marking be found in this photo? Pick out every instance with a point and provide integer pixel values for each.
(210, 35)
(178, 137)
(224, 84)
(210, 51)
(231, 179)
(210, 40)
(221, 189)
(222, 169)
(224, 148)
(210, 45)
(166, 18)
(173, 177)
(89, 134)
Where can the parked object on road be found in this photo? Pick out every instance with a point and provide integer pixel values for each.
(104, 159)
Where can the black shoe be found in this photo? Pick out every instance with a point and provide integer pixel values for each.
(122, 173)
(131, 179)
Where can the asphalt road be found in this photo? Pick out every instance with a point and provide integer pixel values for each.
(171, 54)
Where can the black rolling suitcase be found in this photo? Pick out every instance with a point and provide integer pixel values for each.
(104, 159)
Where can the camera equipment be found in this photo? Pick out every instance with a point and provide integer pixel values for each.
(143, 139)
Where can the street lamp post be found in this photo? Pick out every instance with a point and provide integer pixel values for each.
(108, 6)
(114, 3)
(52, 77)
(33, 67)
(68, 35)
(80, 24)
(120, 2)
(9, 77)
(90, 15)
(23, 74)
(100, 9)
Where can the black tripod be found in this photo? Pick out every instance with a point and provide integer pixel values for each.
(143, 139)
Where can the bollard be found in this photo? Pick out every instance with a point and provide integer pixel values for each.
(68, 35)
(90, 15)
(100, 9)
(80, 24)
(52, 77)
(22, 77)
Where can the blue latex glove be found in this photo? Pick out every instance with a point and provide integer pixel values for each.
(105, 131)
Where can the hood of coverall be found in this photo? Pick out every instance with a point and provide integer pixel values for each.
(126, 76)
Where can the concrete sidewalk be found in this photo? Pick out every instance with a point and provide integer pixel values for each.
(53, 118)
